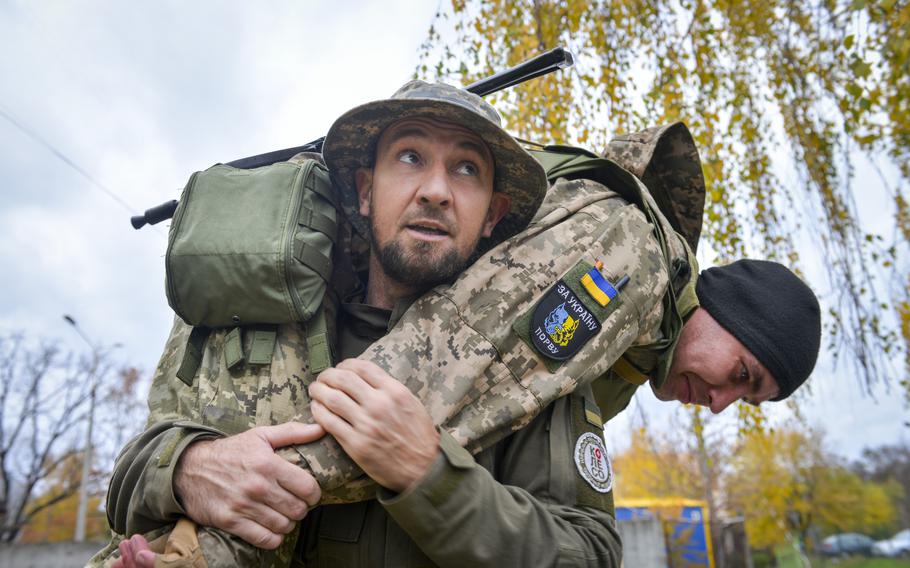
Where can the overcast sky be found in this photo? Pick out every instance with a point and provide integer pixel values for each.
(140, 95)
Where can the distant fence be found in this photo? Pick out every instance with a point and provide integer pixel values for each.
(643, 543)
(48, 555)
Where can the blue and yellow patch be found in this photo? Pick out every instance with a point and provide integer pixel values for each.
(598, 287)
(561, 323)
(569, 313)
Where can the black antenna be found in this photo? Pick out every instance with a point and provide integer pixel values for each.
(547, 62)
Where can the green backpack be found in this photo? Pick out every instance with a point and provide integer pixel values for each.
(252, 248)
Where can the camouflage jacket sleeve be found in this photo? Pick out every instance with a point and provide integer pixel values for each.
(482, 378)
(487, 375)
(141, 498)
(526, 504)
(219, 402)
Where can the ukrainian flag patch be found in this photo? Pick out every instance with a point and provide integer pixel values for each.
(597, 287)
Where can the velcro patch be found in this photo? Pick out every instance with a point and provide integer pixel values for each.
(561, 323)
(593, 463)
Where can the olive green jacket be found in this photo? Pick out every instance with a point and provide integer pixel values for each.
(522, 502)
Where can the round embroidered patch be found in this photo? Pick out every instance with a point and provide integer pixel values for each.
(593, 463)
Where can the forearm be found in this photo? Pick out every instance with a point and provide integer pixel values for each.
(141, 495)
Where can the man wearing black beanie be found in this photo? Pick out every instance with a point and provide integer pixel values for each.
(755, 337)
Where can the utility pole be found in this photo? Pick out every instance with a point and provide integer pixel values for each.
(87, 458)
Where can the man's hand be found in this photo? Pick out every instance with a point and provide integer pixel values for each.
(238, 484)
(378, 422)
(135, 553)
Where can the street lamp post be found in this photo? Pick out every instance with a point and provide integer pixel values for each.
(87, 458)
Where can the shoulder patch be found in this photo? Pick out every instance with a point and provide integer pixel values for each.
(593, 463)
(561, 323)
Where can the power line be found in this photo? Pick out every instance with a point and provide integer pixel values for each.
(65, 159)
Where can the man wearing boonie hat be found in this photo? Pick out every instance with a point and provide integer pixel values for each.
(425, 176)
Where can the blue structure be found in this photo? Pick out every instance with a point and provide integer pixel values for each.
(686, 525)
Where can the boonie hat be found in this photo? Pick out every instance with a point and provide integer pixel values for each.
(351, 144)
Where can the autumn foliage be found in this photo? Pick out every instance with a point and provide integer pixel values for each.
(782, 482)
(787, 102)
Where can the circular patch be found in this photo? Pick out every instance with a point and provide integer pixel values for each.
(592, 462)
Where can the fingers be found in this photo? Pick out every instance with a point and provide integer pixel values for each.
(370, 372)
(135, 553)
(126, 555)
(283, 507)
(256, 534)
(346, 380)
(332, 423)
(338, 401)
(301, 485)
(289, 433)
(259, 524)
(262, 501)
(145, 559)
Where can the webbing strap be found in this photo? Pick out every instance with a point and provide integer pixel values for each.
(233, 348)
(315, 260)
(317, 341)
(264, 339)
(192, 354)
(628, 372)
(319, 222)
(322, 187)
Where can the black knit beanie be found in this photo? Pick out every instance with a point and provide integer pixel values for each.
(770, 311)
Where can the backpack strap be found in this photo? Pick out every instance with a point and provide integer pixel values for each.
(317, 339)
(192, 354)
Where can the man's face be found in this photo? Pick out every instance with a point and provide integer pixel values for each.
(430, 199)
(712, 368)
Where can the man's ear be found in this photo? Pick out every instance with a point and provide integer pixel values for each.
(499, 206)
(363, 178)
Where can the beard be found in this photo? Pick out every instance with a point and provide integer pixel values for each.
(418, 268)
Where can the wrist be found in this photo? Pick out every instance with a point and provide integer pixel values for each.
(187, 464)
(420, 466)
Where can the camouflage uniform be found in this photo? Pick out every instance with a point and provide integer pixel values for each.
(483, 382)
(467, 352)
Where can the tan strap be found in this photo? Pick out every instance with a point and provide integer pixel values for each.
(628, 372)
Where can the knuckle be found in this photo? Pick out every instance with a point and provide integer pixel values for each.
(311, 487)
(358, 447)
(298, 511)
(400, 394)
(267, 540)
(256, 489)
(231, 524)
(289, 525)
(261, 464)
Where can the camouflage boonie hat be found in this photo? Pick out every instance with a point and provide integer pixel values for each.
(351, 144)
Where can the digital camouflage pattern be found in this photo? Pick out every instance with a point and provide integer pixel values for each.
(351, 144)
(481, 383)
(666, 159)
(501, 381)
